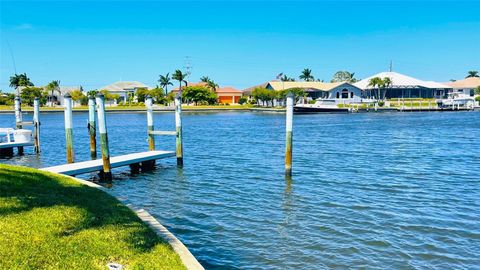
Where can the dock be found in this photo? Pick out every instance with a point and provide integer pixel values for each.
(15, 144)
(434, 109)
(73, 169)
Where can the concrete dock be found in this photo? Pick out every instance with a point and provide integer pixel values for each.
(115, 162)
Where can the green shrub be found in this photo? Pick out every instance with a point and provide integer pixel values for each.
(312, 102)
(381, 103)
(84, 101)
(242, 100)
(199, 94)
(477, 98)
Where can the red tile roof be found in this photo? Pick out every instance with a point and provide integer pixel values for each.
(228, 89)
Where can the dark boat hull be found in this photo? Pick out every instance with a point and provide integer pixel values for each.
(301, 109)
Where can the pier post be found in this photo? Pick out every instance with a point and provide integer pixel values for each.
(106, 175)
(151, 139)
(69, 127)
(36, 124)
(92, 127)
(178, 126)
(18, 119)
(289, 135)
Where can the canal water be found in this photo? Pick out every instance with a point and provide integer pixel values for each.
(371, 190)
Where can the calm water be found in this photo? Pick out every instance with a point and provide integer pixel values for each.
(373, 191)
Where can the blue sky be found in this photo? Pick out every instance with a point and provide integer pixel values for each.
(237, 43)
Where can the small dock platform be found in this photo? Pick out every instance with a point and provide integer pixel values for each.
(15, 144)
(115, 162)
(435, 109)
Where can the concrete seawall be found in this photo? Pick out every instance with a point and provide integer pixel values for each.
(185, 255)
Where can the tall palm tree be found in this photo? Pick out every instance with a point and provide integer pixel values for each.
(165, 82)
(307, 75)
(387, 82)
(52, 87)
(18, 80)
(376, 83)
(472, 74)
(179, 76)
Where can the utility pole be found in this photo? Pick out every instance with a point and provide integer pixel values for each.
(391, 65)
(188, 65)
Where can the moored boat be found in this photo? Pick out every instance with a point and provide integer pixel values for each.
(320, 106)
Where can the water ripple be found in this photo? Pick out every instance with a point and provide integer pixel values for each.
(369, 191)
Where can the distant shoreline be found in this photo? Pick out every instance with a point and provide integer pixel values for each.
(138, 109)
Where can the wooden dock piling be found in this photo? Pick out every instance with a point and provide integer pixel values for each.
(18, 119)
(106, 174)
(69, 128)
(289, 134)
(92, 127)
(36, 124)
(151, 139)
(178, 126)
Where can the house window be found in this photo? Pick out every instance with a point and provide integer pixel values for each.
(338, 95)
(351, 94)
(344, 93)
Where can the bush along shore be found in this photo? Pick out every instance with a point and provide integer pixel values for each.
(49, 221)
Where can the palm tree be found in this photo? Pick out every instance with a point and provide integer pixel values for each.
(376, 82)
(52, 87)
(307, 75)
(18, 80)
(179, 76)
(205, 79)
(472, 74)
(209, 82)
(212, 85)
(165, 82)
(387, 82)
(285, 78)
(92, 93)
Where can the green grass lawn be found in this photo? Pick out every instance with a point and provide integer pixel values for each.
(53, 222)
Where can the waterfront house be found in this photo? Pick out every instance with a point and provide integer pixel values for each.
(404, 86)
(124, 89)
(247, 92)
(226, 94)
(466, 86)
(57, 98)
(341, 92)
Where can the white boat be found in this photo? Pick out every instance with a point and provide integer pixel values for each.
(10, 137)
(321, 105)
(456, 100)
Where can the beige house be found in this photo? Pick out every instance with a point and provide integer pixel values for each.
(466, 86)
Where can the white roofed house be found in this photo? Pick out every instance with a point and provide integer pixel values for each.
(405, 87)
(340, 92)
(57, 98)
(124, 88)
